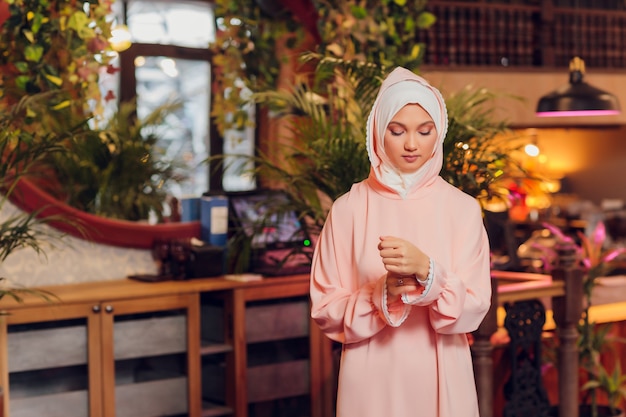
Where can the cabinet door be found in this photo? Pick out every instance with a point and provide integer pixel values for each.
(278, 378)
(51, 365)
(219, 385)
(151, 357)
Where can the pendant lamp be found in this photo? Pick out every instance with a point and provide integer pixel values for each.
(577, 98)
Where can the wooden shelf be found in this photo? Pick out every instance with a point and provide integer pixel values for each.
(210, 348)
(214, 410)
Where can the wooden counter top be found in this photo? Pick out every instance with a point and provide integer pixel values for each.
(609, 303)
(608, 299)
(513, 285)
(125, 288)
(516, 286)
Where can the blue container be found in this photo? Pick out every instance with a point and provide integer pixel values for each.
(214, 219)
(190, 209)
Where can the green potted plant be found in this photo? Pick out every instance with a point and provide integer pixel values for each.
(326, 115)
(611, 383)
(118, 171)
(597, 261)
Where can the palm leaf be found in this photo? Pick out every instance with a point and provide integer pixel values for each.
(325, 114)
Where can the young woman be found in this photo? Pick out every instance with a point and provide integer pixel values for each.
(400, 273)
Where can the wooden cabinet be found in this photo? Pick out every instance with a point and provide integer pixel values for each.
(197, 348)
(262, 354)
(111, 358)
(277, 351)
(154, 353)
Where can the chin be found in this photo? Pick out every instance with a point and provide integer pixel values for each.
(411, 169)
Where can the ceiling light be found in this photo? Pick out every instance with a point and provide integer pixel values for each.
(577, 98)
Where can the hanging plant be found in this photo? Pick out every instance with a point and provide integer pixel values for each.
(380, 32)
(245, 55)
(56, 45)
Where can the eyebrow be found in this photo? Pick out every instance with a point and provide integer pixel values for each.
(429, 122)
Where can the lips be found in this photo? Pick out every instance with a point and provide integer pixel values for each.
(410, 158)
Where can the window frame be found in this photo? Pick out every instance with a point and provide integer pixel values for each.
(128, 90)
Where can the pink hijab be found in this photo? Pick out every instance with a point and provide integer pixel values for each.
(402, 87)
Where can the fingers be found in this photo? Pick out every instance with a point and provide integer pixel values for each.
(401, 257)
(396, 265)
(398, 284)
(394, 253)
(403, 281)
(391, 247)
(389, 242)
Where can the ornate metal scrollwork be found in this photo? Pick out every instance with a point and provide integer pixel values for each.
(524, 391)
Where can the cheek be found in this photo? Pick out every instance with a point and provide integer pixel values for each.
(391, 143)
(429, 145)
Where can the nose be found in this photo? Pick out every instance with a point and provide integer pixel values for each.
(411, 143)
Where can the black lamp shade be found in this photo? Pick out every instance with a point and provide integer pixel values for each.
(577, 98)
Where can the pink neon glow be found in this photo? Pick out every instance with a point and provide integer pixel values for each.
(577, 113)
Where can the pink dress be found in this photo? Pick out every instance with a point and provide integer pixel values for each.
(411, 360)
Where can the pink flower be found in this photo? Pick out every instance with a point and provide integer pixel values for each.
(557, 232)
(591, 250)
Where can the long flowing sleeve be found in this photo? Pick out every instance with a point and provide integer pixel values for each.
(347, 311)
(460, 294)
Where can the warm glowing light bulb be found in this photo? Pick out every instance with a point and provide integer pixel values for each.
(531, 149)
(550, 186)
(168, 66)
(120, 39)
(140, 61)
